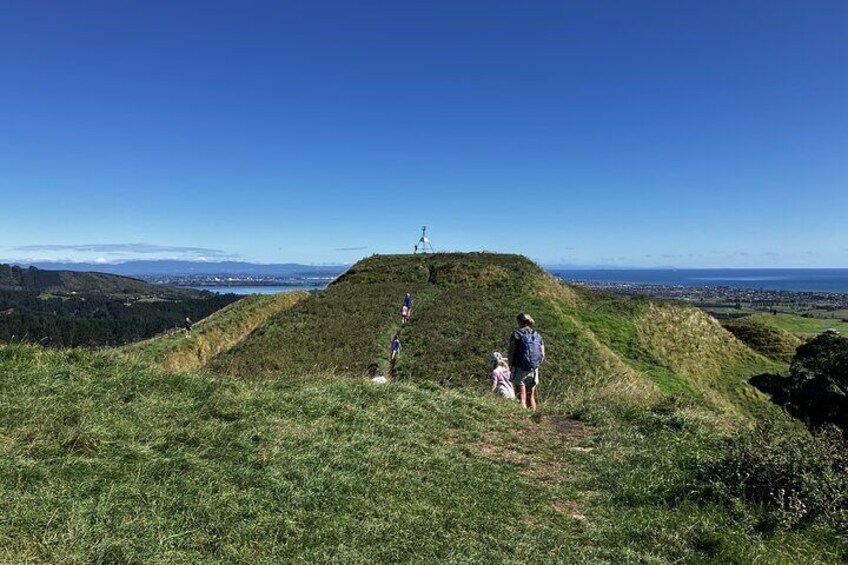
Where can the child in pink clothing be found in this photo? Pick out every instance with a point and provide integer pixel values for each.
(501, 381)
(404, 313)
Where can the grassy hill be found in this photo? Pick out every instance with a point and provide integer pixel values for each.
(145, 455)
(761, 334)
(465, 307)
(213, 335)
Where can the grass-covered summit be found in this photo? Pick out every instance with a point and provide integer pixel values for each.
(465, 307)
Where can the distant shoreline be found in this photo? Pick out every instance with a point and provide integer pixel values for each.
(792, 280)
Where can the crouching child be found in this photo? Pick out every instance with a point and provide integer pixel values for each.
(501, 377)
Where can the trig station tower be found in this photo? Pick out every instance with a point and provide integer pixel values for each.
(423, 245)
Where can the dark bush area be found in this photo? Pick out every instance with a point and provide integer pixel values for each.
(95, 319)
(793, 478)
(816, 389)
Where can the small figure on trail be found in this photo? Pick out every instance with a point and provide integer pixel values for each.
(526, 353)
(187, 325)
(501, 377)
(407, 301)
(395, 348)
(404, 314)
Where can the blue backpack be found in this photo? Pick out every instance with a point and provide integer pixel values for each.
(528, 350)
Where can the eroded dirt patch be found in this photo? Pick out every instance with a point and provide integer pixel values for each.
(570, 430)
(536, 447)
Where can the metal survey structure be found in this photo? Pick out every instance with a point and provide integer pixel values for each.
(423, 245)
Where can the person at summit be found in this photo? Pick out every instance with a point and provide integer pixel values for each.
(526, 353)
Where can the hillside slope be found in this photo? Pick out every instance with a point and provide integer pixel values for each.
(74, 282)
(106, 461)
(213, 335)
(761, 335)
(465, 307)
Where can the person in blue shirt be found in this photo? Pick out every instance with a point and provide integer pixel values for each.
(408, 301)
(395, 348)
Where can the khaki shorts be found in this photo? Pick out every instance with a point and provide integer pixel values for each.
(527, 378)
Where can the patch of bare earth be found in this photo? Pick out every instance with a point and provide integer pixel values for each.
(539, 449)
(569, 507)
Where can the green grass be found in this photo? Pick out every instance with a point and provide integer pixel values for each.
(770, 340)
(625, 350)
(107, 461)
(802, 327)
(214, 335)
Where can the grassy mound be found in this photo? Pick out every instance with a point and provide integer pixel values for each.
(465, 307)
(770, 340)
(215, 334)
(107, 461)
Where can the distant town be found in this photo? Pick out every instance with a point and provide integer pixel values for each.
(729, 302)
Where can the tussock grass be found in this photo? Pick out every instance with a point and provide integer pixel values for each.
(214, 335)
(771, 341)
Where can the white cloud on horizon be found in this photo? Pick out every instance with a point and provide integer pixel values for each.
(128, 248)
(106, 253)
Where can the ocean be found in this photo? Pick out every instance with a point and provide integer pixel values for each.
(799, 280)
(258, 289)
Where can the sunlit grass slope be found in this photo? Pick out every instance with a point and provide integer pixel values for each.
(763, 335)
(465, 307)
(213, 335)
(103, 460)
(800, 326)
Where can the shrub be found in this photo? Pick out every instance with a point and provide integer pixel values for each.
(792, 477)
(818, 381)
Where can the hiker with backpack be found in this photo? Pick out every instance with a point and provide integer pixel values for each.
(526, 353)
(501, 377)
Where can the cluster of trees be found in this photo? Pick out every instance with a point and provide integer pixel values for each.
(95, 319)
(817, 387)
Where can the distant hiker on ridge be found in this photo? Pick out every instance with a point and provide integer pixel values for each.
(187, 325)
(526, 353)
(501, 380)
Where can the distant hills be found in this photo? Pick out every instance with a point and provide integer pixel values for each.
(32, 279)
(175, 267)
(69, 308)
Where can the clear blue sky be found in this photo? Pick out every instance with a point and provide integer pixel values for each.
(616, 132)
